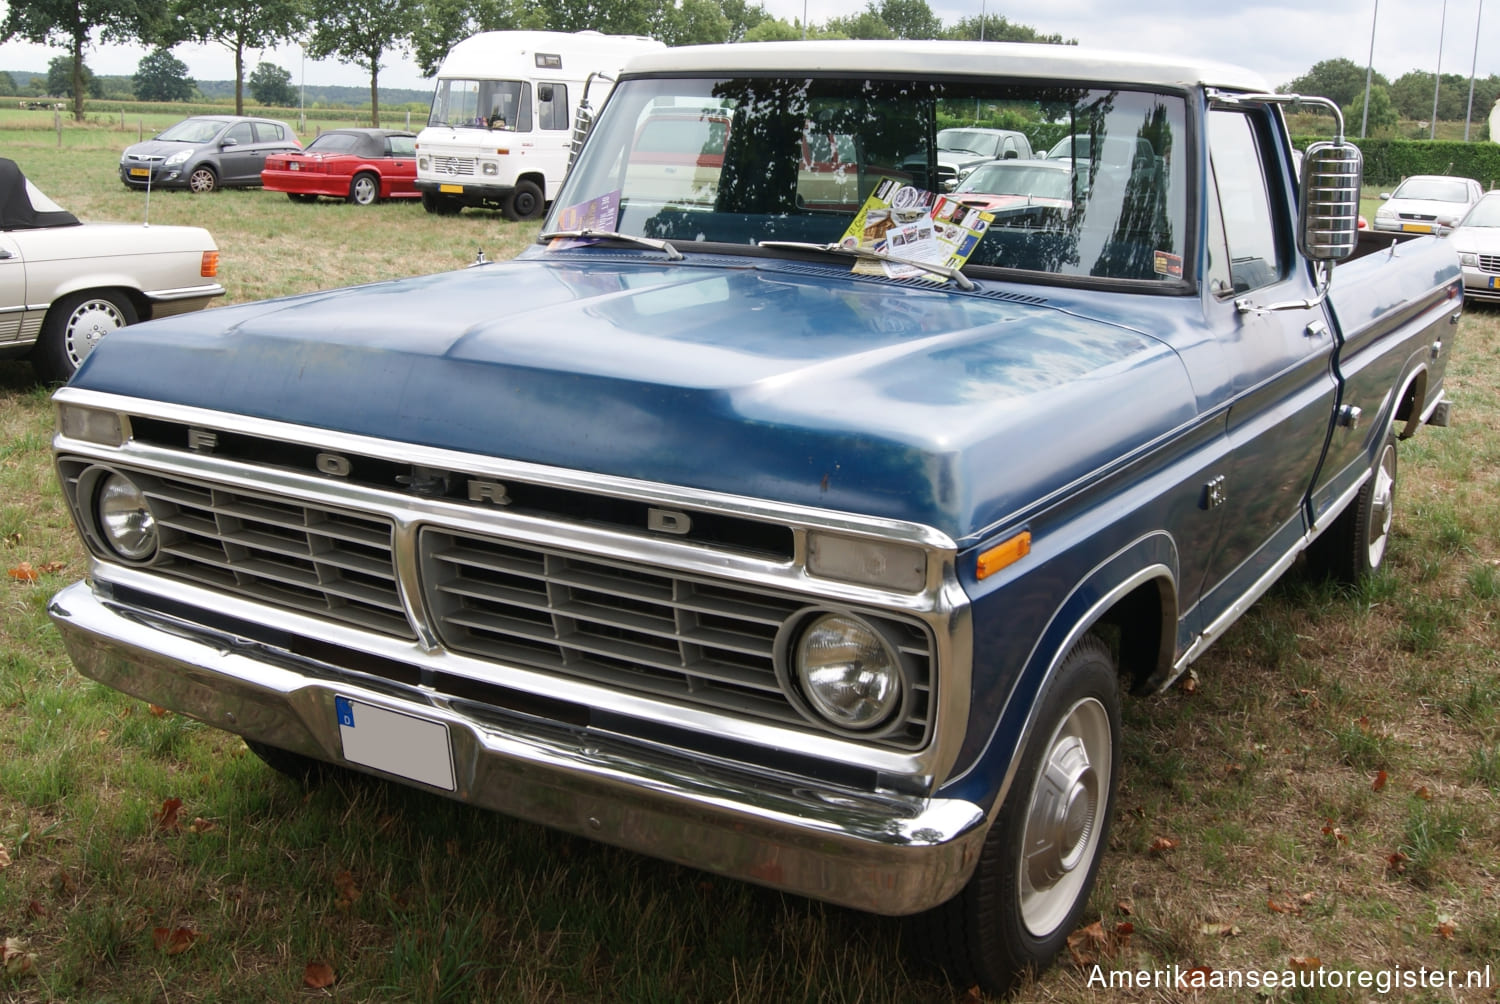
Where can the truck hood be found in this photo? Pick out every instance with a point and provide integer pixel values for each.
(771, 380)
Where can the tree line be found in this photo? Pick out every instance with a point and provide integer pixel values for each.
(1409, 96)
(364, 33)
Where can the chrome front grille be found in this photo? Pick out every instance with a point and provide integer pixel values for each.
(453, 165)
(310, 558)
(632, 627)
(1489, 262)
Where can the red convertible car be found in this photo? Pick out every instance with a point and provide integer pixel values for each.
(360, 165)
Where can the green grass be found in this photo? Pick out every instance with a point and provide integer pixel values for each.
(1297, 710)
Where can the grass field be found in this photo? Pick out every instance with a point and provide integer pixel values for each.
(1328, 790)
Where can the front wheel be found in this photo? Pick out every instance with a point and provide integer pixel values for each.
(364, 190)
(1042, 853)
(525, 201)
(73, 326)
(440, 205)
(1353, 547)
(203, 179)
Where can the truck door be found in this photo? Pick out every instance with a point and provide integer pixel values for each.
(554, 132)
(1283, 387)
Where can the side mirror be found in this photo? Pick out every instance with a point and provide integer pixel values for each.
(544, 92)
(1328, 219)
(226, 144)
(1384, 196)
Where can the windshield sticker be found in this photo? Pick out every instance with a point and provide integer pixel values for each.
(596, 214)
(911, 223)
(1169, 265)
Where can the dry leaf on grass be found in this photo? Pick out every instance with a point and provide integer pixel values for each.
(166, 818)
(157, 710)
(1276, 907)
(200, 826)
(1379, 782)
(1445, 928)
(4, 857)
(1161, 845)
(1218, 929)
(1334, 833)
(1305, 963)
(174, 941)
(24, 572)
(16, 958)
(348, 891)
(317, 975)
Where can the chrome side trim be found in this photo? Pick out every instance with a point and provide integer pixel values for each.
(184, 292)
(871, 851)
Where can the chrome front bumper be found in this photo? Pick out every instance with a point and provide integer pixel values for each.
(885, 853)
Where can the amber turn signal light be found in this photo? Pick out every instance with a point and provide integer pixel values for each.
(210, 264)
(1004, 554)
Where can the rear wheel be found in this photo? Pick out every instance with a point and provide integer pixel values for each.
(1041, 855)
(441, 205)
(203, 179)
(73, 326)
(364, 190)
(1353, 547)
(525, 201)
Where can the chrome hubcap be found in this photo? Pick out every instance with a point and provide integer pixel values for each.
(88, 324)
(1064, 817)
(1382, 505)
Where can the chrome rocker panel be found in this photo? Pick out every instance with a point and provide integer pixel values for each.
(882, 853)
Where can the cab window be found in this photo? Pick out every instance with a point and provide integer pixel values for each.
(1250, 249)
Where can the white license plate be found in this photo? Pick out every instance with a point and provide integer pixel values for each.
(140, 172)
(455, 189)
(396, 743)
(294, 166)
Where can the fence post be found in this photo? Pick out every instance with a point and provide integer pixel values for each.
(57, 124)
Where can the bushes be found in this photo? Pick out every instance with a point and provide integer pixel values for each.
(1387, 161)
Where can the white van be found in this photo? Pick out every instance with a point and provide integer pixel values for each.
(503, 112)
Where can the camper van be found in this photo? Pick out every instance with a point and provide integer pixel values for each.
(500, 129)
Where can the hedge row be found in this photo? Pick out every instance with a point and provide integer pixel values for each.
(1387, 161)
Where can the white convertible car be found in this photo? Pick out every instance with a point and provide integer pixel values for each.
(64, 284)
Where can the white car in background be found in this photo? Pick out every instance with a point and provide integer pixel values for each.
(1424, 202)
(1477, 241)
(64, 284)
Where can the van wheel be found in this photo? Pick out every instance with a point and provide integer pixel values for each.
(1041, 855)
(525, 201)
(73, 326)
(364, 190)
(1353, 547)
(440, 205)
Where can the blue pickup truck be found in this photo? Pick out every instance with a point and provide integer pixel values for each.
(778, 513)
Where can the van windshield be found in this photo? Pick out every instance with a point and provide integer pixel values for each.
(853, 160)
(480, 104)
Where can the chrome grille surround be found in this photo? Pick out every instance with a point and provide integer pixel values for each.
(453, 165)
(1489, 263)
(934, 621)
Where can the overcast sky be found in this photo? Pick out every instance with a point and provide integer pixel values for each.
(1280, 40)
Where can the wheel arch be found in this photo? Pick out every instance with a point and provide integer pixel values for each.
(97, 284)
(538, 179)
(1131, 599)
(1411, 401)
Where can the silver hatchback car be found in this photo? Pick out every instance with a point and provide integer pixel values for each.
(206, 152)
(1424, 202)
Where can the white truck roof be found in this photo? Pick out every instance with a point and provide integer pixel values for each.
(476, 56)
(933, 59)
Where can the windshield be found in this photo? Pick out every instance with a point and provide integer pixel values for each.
(480, 104)
(824, 160)
(969, 141)
(1013, 178)
(1435, 189)
(1486, 213)
(192, 131)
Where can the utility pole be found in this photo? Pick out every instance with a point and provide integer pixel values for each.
(1437, 78)
(1469, 112)
(1364, 121)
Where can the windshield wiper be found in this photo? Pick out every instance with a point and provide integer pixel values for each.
(871, 255)
(646, 242)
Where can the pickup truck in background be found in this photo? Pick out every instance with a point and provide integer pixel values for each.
(695, 531)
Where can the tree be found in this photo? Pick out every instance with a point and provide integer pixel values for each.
(361, 33)
(272, 85)
(995, 28)
(237, 25)
(693, 22)
(1384, 119)
(774, 29)
(742, 16)
(74, 23)
(444, 23)
(161, 76)
(1339, 80)
(910, 19)
(864, 25)
(7, 84)
(60, 77)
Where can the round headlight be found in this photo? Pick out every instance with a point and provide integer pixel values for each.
(125, 519)
(847, 671)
